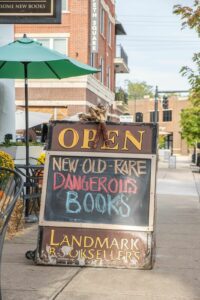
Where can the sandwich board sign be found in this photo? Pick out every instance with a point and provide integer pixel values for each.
(98, 205)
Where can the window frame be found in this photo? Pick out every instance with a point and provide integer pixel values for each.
(51, 42)
(167, 115)
(109, 77)
(102, 21)
(110, 33)
(93, 59)
(102, 70)
(67, 6)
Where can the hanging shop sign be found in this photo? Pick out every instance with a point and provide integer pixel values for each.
(30, 11)
(98, 205)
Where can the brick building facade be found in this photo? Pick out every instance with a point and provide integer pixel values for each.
(74, 38)
(168, 120)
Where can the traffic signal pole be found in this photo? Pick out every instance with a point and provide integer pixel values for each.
(156, 106)
(157, 92)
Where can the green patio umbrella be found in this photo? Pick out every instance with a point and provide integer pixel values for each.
(28, 59)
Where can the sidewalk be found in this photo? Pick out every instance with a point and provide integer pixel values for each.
(176, 274)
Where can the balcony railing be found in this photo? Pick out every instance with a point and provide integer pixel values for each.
(121, 60)
(120, 53)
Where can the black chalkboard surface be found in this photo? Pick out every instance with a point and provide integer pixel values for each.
(98, 190)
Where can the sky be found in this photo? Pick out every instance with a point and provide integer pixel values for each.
(156, 45)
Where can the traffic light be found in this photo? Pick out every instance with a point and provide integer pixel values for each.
(165, 102)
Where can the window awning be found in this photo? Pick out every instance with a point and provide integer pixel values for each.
(119, 29)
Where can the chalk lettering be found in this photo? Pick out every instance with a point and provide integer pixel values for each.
(94, 184)
(65, 164)
(72, 205)
(100, 203)
(130, 167)
(94, 166)
(112, 206)
(125, 205)
(88, 203)
(102, 190)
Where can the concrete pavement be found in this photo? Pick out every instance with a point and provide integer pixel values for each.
(176, 274)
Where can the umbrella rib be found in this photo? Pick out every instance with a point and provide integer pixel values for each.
(3, 64)
(52, 70)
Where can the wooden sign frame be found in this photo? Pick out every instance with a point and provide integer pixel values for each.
(30, 12)
(148, 228)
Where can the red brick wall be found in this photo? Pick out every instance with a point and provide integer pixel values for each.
(52, 94)
(77, 23)
(147, 105)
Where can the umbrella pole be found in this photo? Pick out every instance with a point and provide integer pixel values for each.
(26, 139)
(26, 112)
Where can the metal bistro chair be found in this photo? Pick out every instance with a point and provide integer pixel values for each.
(11, 184)
(32, 189)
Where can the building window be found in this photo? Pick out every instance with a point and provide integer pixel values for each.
(45, 42)
(102, 21)
(152, 116)
(109, 33)
(139, 117)
(64, 5)
(169, 142)
(58, 44)
(102, 70)
(108, 77)
(167, 115)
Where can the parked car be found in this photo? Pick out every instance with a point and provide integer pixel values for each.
(20, 138)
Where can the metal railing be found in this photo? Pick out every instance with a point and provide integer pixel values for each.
(120, 53)
(11, 184)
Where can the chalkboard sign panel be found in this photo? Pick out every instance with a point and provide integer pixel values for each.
(99, 190)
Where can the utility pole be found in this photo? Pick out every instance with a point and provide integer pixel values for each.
(156, 106)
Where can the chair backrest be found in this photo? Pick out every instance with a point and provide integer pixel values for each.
(11, 184)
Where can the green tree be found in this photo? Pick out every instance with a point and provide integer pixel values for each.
(190, 124)
(190, 117)
(137, 90)
(121, 95)
(189, 15)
